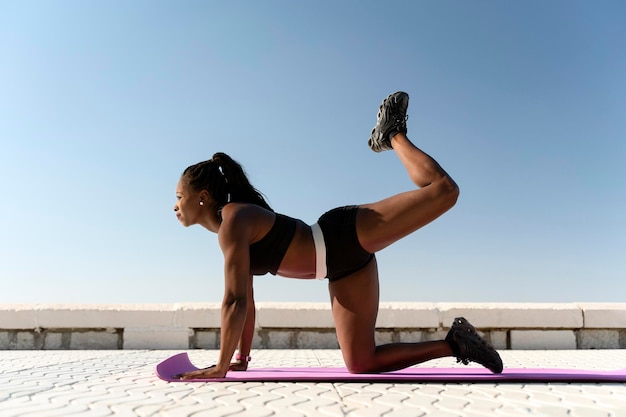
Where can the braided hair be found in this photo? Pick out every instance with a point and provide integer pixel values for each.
(225, 180)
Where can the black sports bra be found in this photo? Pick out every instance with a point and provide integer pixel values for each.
(267, 254)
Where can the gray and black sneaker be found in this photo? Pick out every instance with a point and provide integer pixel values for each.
(391, 119)
(467, 345)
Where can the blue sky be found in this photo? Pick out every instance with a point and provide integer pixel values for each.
(103, 105)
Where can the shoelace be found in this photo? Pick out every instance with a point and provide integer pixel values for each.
(401, 122)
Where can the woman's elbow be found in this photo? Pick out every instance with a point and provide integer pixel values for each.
(233, 302)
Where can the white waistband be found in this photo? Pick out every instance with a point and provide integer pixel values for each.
(320, 251)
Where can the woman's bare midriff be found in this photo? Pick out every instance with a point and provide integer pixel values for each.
(299, 260)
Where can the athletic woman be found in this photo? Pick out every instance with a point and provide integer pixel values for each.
(255, 240)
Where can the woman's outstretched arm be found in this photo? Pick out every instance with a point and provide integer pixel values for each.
(245, 343)
(235, 242)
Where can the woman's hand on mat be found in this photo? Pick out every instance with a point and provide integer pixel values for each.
(206, 373)
(238, 366)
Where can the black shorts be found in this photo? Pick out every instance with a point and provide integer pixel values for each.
(344, 253)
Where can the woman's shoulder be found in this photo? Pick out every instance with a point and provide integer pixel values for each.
(246, 218)
(244, 222)
(236, 210)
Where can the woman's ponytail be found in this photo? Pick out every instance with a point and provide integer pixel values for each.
(239, 188)
(225, 180)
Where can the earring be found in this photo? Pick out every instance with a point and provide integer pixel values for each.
(202, 203)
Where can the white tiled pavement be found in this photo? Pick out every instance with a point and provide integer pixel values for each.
(122, 383)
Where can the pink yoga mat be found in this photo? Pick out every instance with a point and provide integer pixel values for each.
(180, 363)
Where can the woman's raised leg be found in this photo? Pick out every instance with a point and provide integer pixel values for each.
(384, 222)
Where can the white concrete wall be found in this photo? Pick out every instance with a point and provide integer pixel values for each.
(307, 325)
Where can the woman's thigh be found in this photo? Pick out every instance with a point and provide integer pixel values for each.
(354, 301)
(387, 221)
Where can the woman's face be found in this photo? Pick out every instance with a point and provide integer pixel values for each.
(189, 204)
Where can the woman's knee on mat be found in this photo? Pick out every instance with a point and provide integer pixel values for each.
(359, 363)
